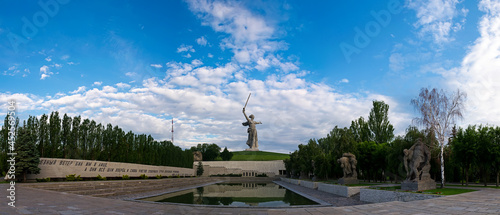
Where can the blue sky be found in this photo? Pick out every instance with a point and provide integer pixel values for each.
(140, 64)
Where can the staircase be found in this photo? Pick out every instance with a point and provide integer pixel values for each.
(119, 187)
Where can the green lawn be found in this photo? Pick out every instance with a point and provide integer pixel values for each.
(258, 156)
(452, 185)
(445, 191)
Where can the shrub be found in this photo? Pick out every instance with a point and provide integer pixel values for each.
(72, 177)
(125, 177)
(143, 176)
(261, 175)
(159, 176)
(99, 177)
(43, 179)
(226, 175)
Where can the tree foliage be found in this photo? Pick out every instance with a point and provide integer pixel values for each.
(77, 138)
(378, 122)
(27, 158)
(226, 154)
(199, 169)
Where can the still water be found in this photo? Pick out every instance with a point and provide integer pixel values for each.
(236, 194)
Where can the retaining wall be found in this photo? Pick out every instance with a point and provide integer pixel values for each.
(339, 189)
(377, 196)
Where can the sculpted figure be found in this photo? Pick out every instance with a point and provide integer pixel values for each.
(348, 163)
(417, 162)
(253, 141)
(197, 156)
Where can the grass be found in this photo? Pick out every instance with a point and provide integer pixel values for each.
(258, 156)
(438, 191)
(482, 186)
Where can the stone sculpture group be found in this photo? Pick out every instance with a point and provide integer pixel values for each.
(417, 165)
(348, 163)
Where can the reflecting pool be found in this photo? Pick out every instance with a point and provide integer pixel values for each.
(236, 194)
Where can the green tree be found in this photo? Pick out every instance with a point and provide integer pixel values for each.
(66, 134)
(73, 150)
(484, 158)
(43, 131)
(209, 151)
(378, 122)
(360, 130)
(438, 112)
(464, 152)
(27, 158)
(199, 169)
(54, 135)
(495, 150)
(322, 165)
(226, 155)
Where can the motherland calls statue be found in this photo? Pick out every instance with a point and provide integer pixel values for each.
(417, 164)
(348, 163)
(253, 141)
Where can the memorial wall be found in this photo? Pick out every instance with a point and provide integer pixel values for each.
(60, 168)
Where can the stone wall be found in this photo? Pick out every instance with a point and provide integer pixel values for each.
(59, 168)
(309, 184)
(340, 190)
(246, 168)
(376, 196)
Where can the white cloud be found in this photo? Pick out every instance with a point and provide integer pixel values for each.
(202, 41)
(396, 62)
(65, 57)
(158, 66)
(79, 90)
(210, 55)
(58, 66)
(250, 38)
(48, 59)
(207, 104)
(185, 48)
(12, 67)
(344, 80)
(187, 55)
(438, 18)
(45, 73)
(97, 83)
(131, 74)
(122, 85)
(478, 74)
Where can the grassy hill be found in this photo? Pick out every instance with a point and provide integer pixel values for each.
(258, 156)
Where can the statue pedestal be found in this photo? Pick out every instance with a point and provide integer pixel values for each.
(252, 149)
(418, 185)
(348, 181)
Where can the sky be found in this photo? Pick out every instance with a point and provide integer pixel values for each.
(309, 65)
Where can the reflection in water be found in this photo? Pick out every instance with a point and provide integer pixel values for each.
(236, 194)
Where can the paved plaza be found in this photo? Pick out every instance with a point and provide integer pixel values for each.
(37, 201)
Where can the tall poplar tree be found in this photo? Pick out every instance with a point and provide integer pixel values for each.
(379, 124)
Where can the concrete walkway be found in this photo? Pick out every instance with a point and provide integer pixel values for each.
(36, 201)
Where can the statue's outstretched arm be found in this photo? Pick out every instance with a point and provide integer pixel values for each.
(258, 122)
(246, 117)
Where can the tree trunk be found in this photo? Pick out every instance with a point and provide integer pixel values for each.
(485, 178)
(498, 177)
(463, 176)
(466, 177)
(442, 166)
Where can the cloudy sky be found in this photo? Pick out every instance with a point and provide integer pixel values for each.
(310, 65)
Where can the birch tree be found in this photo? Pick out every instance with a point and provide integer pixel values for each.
(439, 111)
